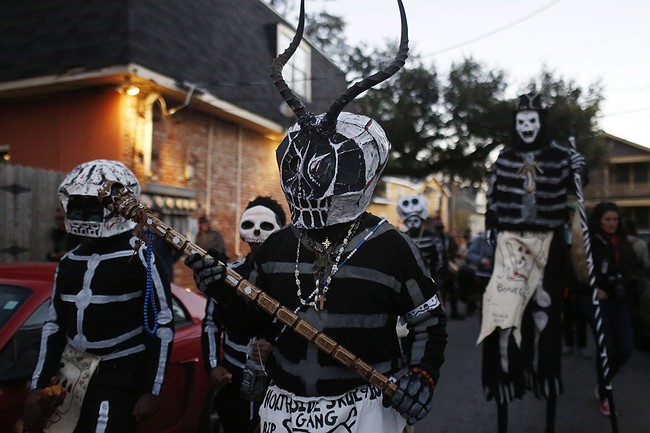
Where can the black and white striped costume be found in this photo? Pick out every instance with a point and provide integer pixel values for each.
(528, 193)
(386, 278)
(97, 307)
(223, 348)
(528, 189)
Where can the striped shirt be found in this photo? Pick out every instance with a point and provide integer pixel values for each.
(528, 190)
(384, 279)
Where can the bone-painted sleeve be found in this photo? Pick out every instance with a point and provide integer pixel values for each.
(423, 312)
(159, 345)
(210, 336)
(52, 341)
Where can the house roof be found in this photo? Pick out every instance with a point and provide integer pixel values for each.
(224, 47)
(624, 150)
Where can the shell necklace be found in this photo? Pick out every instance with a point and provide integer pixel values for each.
(317, 298)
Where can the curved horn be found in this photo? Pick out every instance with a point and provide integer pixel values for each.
(361, 86)
(276, 68)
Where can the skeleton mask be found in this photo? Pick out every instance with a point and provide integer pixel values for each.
(527, 125)
(257, 223)
(413, 205)
(330, 164)
(84, 214)
(330, 180)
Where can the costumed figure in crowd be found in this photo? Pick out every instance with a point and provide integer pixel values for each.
(521, 329)
(224, 353)
(344, 271)
(96, 342)
(440, 267)
(413, 210)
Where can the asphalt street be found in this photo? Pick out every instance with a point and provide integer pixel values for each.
(460, 407)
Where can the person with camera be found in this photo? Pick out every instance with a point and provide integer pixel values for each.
(614, 261)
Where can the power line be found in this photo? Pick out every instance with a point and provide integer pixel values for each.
(498, 30)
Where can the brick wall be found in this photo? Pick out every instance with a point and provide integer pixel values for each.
(232, 165)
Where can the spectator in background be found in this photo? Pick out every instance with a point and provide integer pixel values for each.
(210, 239)
(640, 248)
(614, 268)
(480, 256)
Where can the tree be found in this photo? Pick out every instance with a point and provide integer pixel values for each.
(405, 106)
(455, 129)
(477, 122)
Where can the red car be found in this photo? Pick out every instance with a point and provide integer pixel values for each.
(25, 290)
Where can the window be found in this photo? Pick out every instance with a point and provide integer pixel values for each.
(181, 317)
(621, 173)
(640, 172)
(297, 71)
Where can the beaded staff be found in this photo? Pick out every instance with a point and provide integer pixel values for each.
(121, 200)
(603, 358)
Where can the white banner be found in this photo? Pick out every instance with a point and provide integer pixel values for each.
(76, 370)
(519, 262)
(357, 411)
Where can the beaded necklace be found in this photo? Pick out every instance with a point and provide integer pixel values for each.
(317, 298)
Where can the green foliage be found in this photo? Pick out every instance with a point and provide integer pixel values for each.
(454, 127)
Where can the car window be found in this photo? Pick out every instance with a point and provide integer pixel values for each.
(18, 358)
(11, 299)
(181, 316)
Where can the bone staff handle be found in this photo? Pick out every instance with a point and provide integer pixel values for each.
(122, 201)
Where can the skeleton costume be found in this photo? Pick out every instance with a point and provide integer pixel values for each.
(262, 217)
(348, 273)
(527, 202)
(98, 300)
(413, 211)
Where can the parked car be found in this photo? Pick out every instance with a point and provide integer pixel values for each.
(25, 290)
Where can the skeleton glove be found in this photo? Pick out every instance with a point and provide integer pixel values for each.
(208, 272)
(577, 161)
(413, 398)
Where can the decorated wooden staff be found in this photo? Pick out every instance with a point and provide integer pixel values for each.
(600, 336)
(120, 199)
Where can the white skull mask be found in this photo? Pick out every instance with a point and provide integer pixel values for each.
(413, 205)
(84, 215)
(329, 179)
(527, 125)
(257, 223)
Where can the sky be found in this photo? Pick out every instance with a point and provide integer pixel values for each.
(585, 41)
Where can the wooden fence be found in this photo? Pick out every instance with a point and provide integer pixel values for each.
(28, 200)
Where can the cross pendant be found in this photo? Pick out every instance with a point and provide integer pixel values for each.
(321, 301)
(326, 243)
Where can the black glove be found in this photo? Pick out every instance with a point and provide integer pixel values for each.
(413, 398)
(208, 272)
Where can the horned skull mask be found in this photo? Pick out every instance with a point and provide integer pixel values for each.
(330, 164)
(330, 179)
